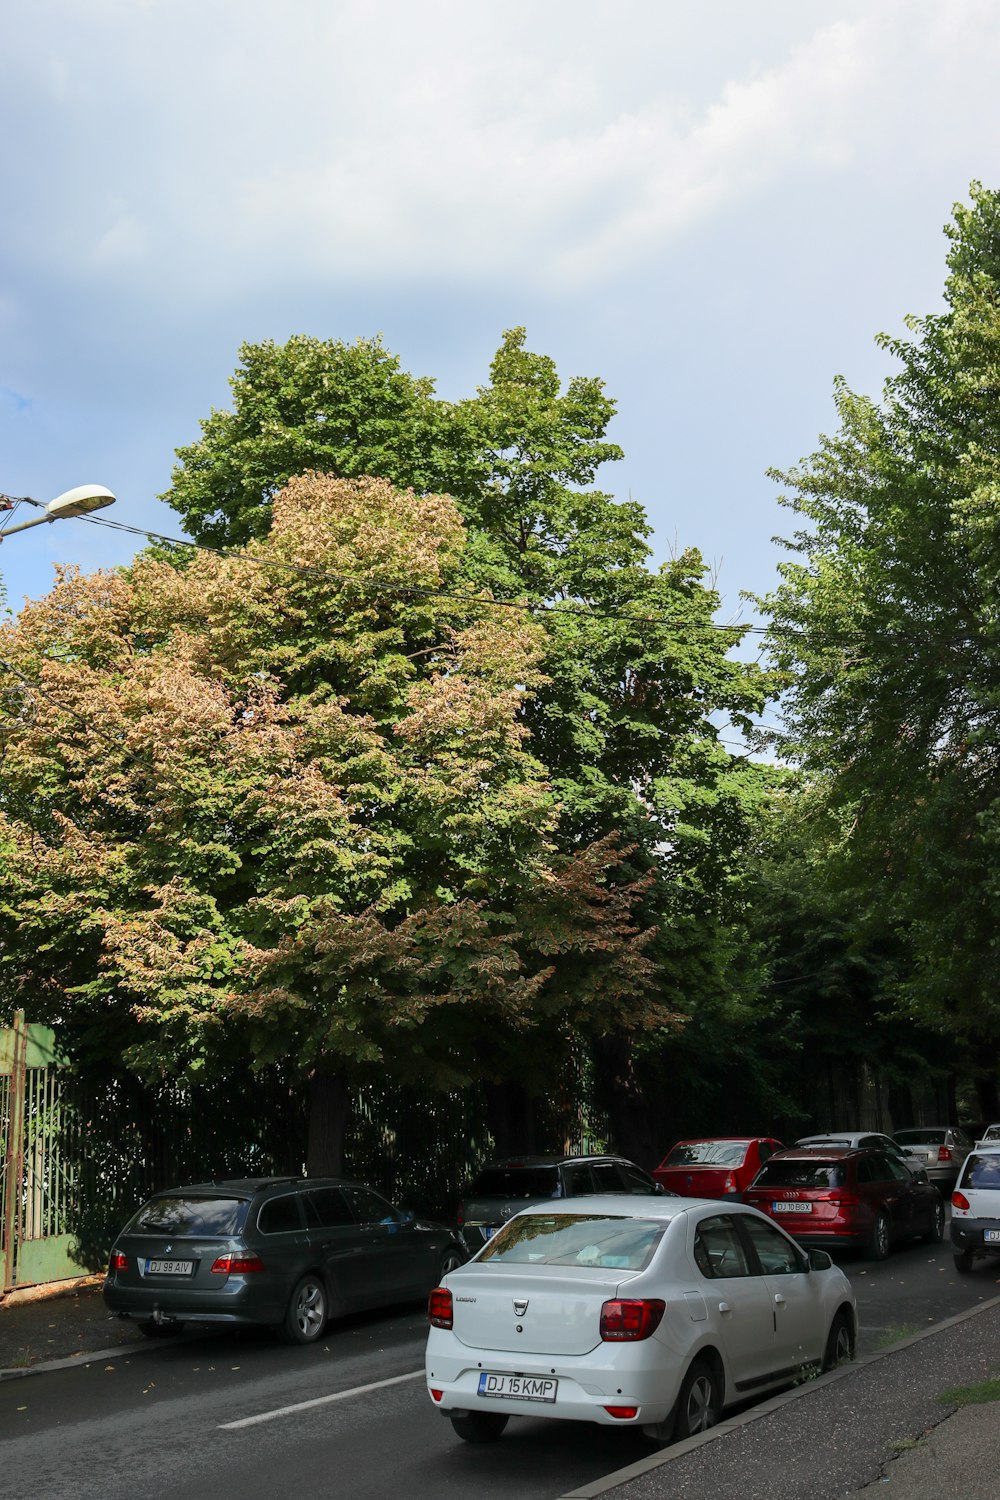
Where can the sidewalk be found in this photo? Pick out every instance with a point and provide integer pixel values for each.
(873, 1429)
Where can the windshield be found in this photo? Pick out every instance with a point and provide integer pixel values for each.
(707, 1154)
(800, 1174)
(920, 1137)
(604, 1240)
(190, 1216)
(516, 1182)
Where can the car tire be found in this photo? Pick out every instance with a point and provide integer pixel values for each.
(478, 1426)
(963, 1261)
(150, 1329)
(698, 1402)
(450, 1261)
(936, 1230)
(305, 1320)
(839, 1343)
(880, 1242)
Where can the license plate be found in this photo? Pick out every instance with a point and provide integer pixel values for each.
(791, 1208)
(169, 1267)
(991, 1236)
(488, 1231)
(518, 1387)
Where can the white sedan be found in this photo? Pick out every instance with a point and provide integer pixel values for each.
(654, 1314)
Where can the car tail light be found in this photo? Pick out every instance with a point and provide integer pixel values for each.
(435, 1395)
(439, 1309)
(959, 1200)
(118, 1262)
(729, 1186)
(631, 1320)
(844, 1200)
(460, 1216)
(944, 1153)
(621, 1411)
(237, 1265)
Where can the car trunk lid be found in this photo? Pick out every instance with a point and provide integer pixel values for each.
(517, 1308)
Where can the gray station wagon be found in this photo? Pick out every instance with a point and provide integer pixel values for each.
(288, 1252)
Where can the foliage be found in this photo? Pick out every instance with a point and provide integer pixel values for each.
(886, 622)
(290, 811)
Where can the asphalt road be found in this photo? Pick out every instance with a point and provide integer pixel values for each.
(240, 1414)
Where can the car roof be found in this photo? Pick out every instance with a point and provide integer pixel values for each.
(710, 1140)
(616, 1206)
(249, 1186)
(840, 1137)
(528, 1160)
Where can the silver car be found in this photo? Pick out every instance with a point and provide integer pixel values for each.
(939, 1149)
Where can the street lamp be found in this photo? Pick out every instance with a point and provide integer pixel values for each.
(78, 502)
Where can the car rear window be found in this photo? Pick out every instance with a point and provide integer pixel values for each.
(801, 1174)
(596, 1240)
(516, 1182)
(190, 1216)
(707, 1154)
(982, 1171)
(920, 1137)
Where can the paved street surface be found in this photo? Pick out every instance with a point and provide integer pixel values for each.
(240, 1413)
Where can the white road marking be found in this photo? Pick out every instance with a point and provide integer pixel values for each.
(287, 1411)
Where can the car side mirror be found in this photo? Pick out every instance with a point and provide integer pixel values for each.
(920, 1175)
(660, 1190)
(819, 1260)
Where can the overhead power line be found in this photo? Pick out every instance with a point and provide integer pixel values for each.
(305, 570)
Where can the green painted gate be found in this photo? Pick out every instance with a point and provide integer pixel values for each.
(36, 1181)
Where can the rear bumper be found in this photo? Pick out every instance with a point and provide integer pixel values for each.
(231, 1304)
(970, 1234)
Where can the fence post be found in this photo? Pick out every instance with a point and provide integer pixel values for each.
(14, 1151)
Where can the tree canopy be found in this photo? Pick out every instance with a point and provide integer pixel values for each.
(886, 622)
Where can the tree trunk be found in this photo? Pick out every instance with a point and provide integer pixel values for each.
(329, 1103)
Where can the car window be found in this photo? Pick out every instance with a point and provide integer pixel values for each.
(866, 1170)
(190, 1216)
(981, 1172)
(636, 1180)
(707, 1154)
(326, 1208)
(279, 1215)
(918, 1137)
(607, 1178)
(801, 1174)
(718, 1249)
(516, 1182)
(369, 1208)
(898, 1169)
(777, 1255)
(616, 1242)
(577, 1179)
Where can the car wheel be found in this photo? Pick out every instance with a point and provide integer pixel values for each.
(305, 1319)
(450, 1261)
(878, 1245)
(936, 1230)
(699, 1401)
(478, 1426)
(840, 1343)
(153, 1330)
(963, 1261)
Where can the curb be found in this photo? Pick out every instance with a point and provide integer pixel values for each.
(774, 1403)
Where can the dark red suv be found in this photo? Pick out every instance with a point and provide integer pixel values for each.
(844, 1199)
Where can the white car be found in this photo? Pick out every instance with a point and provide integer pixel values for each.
(975, 1206)
(654, 1314)
(990, 1136)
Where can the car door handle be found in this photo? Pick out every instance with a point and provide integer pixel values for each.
(724, 1307)
(779, 1299)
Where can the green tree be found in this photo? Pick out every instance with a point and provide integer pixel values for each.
(887, 622)
(288, 809)
(636, 677)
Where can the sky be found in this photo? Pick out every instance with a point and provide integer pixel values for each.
(713, 205)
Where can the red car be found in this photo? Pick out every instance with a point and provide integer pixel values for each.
(847, 1199)
(714, 1167)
